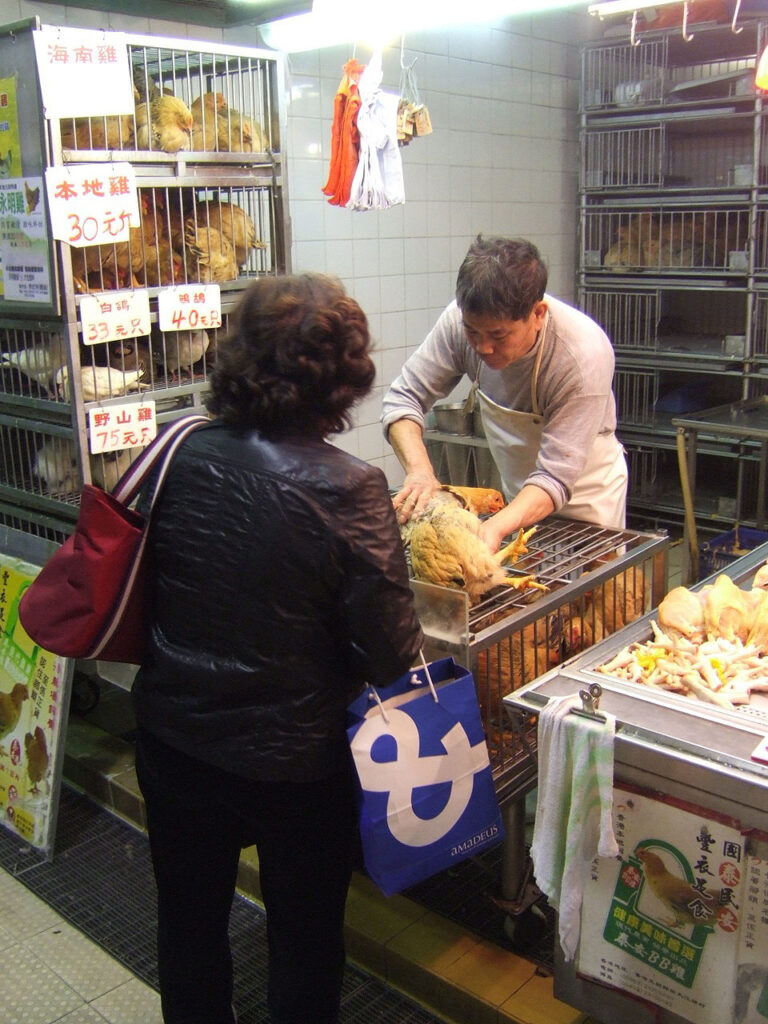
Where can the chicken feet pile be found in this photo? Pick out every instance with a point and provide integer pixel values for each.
(710, 644)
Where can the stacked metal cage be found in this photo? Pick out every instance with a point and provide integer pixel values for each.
(213, 209)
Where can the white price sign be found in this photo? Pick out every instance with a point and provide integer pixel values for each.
(110, 316)
(189, 307)
(115, 427)
(92, 204)
(83, 72)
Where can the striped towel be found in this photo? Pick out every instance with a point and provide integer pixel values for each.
(574, 821)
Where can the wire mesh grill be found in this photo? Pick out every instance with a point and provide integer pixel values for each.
(598, 579)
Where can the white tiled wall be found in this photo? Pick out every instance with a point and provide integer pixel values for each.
(502, 159)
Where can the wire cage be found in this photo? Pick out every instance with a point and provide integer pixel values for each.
(670, 154)
(759, 345)
(597, 580)
(204, 142)
(705, 322)
(660, 70)
(688, 239)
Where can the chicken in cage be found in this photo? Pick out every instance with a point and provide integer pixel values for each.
(185, 236)
(185, 101)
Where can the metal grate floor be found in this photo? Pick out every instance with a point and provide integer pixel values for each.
(100, 881)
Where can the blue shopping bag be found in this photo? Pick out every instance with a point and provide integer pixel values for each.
(427, 799)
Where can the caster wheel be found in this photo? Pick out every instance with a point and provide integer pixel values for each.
(85, 694)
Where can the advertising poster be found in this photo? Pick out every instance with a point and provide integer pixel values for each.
(664, 921)
(751, 1005)
(23, 241)
(32, 709)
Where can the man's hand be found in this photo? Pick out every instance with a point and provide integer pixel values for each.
(411, 500)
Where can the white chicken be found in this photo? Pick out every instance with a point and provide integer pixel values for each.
(99, 382)
(55, 466)
(39, 362)
(178, 351)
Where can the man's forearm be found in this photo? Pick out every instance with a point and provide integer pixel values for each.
(407, 442)
(530, 505)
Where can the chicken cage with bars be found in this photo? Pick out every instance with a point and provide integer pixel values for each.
(205, 144)
(673, 258)
(590, 582)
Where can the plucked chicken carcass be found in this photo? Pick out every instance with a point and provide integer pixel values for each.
(761, 578)
(164, 123)
(710, 644)
(231, 221)
(446, 548)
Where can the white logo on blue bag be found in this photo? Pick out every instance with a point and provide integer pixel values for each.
(408, 770)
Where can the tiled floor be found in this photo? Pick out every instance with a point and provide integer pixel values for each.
(52, 972)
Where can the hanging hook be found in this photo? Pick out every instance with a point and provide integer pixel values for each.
(634, 41)
(687, 37)
(403, 65)
(736, 18)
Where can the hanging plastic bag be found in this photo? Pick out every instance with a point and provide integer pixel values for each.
(378, 181)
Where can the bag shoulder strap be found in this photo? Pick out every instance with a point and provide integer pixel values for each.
(159, 452)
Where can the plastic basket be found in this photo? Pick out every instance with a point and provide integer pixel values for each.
(724, 549)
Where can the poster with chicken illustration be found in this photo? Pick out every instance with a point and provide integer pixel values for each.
(664, 922)
(31, 691)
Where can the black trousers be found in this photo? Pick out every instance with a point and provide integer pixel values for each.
(199, 818)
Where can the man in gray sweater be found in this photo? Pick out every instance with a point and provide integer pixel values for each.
(542, 374)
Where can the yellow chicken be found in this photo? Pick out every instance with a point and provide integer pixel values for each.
(688, 905)
(233, 222)
(10, 708)
(210, 256)
(164, 123)
(446, 548)
(111, 132)
(37, 757)
(219, 127)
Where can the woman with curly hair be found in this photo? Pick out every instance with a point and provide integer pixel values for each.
(279, 587)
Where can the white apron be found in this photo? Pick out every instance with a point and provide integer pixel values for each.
(514, 438)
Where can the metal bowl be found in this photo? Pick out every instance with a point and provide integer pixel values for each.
(451, 418)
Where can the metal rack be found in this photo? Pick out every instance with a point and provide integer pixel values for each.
(691, 753)
(674, 243)
(598, 580)
(214, 211)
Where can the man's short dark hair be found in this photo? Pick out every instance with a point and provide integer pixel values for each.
(501, 277)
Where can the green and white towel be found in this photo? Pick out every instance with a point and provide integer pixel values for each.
(574, 820)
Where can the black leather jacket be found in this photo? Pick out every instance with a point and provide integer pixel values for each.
(278, 586)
